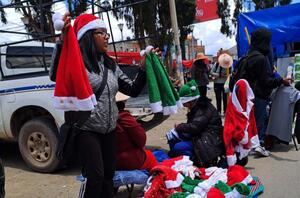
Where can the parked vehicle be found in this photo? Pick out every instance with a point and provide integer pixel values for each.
(26, 111)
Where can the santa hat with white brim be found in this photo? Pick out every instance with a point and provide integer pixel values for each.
(86, 22)
(82, 24)
(72, 91)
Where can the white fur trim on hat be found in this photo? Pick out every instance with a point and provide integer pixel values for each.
(250, 96)
(97, 23)
(75, 104)
(231, 160)
(170, 110)
(156, 107)
(233, 193)
(188, 99)
(174, 183)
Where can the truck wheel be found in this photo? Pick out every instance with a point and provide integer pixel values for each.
(38, 141)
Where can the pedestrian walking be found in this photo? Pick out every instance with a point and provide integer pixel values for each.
(200, 73)
(259, 74)
(219, 73)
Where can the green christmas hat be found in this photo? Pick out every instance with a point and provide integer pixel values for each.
(189, 92)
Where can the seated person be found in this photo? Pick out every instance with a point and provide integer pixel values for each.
(131, 139)
(202, 118)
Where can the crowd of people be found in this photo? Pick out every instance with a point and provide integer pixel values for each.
(110, 138)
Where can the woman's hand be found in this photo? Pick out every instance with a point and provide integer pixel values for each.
(67, 22)
(143, 60)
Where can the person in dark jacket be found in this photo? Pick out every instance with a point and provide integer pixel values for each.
(259, 74)
(200, 73)
(96, 139)
(131, 140)
(202, 117)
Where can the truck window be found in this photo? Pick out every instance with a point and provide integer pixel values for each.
(27, 57)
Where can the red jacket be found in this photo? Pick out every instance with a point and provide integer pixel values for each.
(131, 139)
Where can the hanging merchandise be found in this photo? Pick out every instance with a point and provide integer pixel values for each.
(73, 91)
(162, 94)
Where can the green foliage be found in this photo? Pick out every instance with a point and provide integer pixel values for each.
(2, 14)
(153, 19)
(38, 14)
(224, 12)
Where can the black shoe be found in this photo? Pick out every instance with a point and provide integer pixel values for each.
(242, 162)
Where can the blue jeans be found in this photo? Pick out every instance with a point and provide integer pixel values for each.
(179, 147)
(260, 113)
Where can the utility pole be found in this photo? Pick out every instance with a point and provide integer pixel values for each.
(121, 25)
(177, 42)
(193, 46)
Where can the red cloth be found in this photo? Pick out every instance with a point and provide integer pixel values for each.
(240, 133)
(150, 161)
(187, 63)
(215, 193)
(131, 139)
(165, 182)
(72, 89)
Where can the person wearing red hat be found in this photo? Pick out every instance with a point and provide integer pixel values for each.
(84, 56)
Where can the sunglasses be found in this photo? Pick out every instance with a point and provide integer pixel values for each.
(102, 34)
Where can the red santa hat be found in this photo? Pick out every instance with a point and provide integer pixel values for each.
(86, 22)
(215, 193)
(238, 174)
(72, 89)
(240, 133)
(180, 160)
(172, 178)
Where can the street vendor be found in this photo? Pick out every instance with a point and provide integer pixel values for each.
(202, 119)
(131, 140)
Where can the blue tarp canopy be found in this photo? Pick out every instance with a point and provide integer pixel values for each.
(282, 21)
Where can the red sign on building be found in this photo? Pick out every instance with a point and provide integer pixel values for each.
(206, 10)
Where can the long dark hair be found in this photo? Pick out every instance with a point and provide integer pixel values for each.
(91, 56)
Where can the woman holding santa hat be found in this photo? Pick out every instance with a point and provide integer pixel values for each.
(96, 141)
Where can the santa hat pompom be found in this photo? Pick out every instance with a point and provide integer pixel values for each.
(58, 25)
(149, 48)
(58, 22)
(142, 53)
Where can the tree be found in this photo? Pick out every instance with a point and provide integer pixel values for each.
(37, 14)
(224, 12)
(153, 19)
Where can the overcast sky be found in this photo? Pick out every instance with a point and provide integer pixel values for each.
(207, 32)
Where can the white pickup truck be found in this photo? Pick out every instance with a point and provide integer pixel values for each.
(26, 109)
